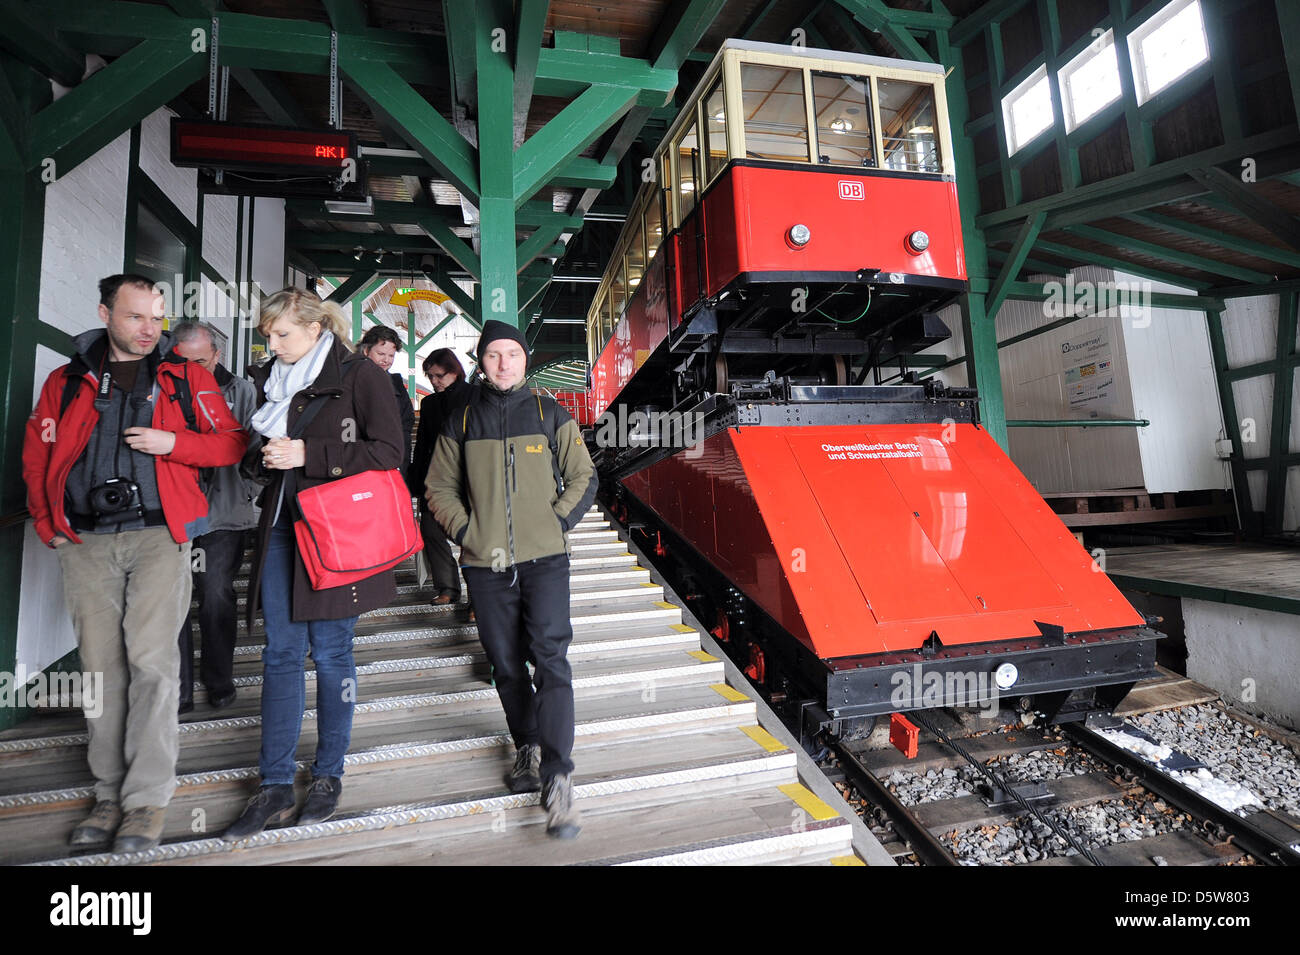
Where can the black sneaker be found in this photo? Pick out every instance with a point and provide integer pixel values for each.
(270, 805)
(526, 775)
(562, 819)
(322, 800)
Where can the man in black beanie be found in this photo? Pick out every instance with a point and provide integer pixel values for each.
(527, 479)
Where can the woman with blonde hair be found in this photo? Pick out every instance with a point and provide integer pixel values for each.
(349, 427)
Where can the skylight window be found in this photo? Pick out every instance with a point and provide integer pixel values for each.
(1027, 110)
(1169, 45)
(1090, 81)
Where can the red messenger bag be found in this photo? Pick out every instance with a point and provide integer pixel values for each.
(356, 527)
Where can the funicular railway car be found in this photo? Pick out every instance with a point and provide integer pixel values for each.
(860, 549)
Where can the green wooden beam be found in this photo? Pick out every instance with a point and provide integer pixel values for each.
(497, 164)
(438, 275)
(1011, 268)
(680, 29)
(755, 19)
(1131, 191)
(353, 284)
(585, 173)
(992, 11)
(459, 26)
(874, 15)
(346, 16)
(1288, 21)
(1224, 66)
(536, 244)
(28, 37)
(565, 70)
(460, 251)
(1259, 250)
(13, 119)
(1280, 422)
(1031, 263)
(95, 113)
(1082, 256)
(1264, 213)
(530, 23)
(1176, 256)
(567, 134)
(1039, 291)
(392, 99)
(1232, 424)
(271, 96)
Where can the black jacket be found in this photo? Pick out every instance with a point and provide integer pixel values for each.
(434, 410)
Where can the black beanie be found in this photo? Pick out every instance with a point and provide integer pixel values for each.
(494, 330)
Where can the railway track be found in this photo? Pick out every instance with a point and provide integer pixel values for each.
(1100, 802)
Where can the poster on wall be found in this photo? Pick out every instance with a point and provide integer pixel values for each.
(1089, 373)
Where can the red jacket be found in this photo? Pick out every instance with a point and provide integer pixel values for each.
(52, 444)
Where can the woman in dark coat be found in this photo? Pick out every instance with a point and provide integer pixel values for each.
(445, 373)
(353, 430)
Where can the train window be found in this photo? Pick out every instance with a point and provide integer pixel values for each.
(842, 105)
(654, 227)
(635, 259)
(715, 132)
(610, 317)
(907, 126)
(776, 116)
(617, 293)
(688, 148)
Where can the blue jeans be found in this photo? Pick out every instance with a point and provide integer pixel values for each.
(283, 672)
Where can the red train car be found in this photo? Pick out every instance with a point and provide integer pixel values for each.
(802, 229)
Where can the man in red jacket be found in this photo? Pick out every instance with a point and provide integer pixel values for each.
(111, 459)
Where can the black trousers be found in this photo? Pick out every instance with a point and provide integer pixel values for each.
(523, 614)
(215, 560)
(437, 549)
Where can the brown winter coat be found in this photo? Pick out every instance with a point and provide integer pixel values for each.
(365, 397)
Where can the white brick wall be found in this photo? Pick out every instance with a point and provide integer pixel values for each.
(219, 217)
(83, 240)
(179, 185)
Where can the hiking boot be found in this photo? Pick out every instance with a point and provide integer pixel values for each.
(96, 830)
(140, 829)
(526, 776)
(322, 800)
(271, 804)
(562, 819)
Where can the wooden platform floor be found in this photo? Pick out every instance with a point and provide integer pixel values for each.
(676, 762)
(1264, 577)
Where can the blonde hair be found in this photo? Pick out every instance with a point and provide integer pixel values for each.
(305, 307)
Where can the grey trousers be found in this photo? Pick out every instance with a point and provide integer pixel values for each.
(127, 594)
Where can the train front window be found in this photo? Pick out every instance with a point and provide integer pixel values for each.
(776, 116)
(715, 132)
(842, 105)
(688, 148)
(907, 126)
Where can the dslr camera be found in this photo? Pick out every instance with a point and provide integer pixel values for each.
(116, 500)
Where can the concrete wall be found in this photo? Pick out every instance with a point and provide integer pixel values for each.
(1250, 656)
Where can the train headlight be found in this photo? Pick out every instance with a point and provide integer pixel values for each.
(799, 235)
(1005, 676)
(918, 242)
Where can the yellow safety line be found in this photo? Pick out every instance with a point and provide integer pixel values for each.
(728, 693)
(809, 803)
(664, 604)
(646, 583)
(847, 860)
(763, 738)
(683, 628)
(703, 656)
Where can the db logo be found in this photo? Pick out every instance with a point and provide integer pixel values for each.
(850, 189)
(362, 495)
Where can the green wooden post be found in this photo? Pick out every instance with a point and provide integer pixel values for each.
(495, 84)
(980, 330)
(1280, 427)
(22, 210)
(1228, 402)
